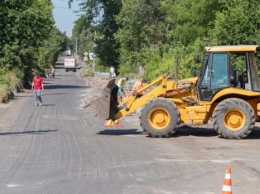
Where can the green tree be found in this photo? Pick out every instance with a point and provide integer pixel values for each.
(238, 23)
(100, 16)
(142, 34)
(24, 27)
(28, 40)
(84, 34)
(51, 48)
(158, 35)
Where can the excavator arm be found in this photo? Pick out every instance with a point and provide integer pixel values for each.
(106, 106)
(131, 103)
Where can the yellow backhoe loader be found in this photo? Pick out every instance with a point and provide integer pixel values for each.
(226, 91)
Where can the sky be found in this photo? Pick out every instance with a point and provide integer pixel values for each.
(64, 16)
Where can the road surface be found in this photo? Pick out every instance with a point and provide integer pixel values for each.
(63, 148)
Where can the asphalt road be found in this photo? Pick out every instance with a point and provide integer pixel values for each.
(63, 148)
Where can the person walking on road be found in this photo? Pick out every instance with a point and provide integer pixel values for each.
(53, 72)
(37, 87)
(112, 72)
(47, 72)
(121, 84)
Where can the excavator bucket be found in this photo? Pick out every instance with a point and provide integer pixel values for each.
(106, 104)
(111, 123)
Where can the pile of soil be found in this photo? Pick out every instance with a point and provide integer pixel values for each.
(94, 91)
(96, 82)
(96, 85)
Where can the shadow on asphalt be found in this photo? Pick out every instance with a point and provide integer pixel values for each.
(182, 131)
(62, 76)
(56, 76)
(210, 132)
(61, 93)
(65, 87)
(195, 131)
(47, 83)
(120, 132)
(48, 104)
(28, 132)
(61, 66)
(26, 96)
(255, 134)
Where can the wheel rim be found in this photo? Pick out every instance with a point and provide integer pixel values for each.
(159, 118)
(234, 119)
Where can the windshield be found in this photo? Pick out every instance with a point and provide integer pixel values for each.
(216, 74)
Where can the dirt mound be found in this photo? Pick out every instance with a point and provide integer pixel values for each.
(96, 82)
(96, 85)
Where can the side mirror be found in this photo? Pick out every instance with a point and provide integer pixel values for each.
(197, 59)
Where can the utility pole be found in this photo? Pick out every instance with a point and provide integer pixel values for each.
(76, 46)
(176, 68)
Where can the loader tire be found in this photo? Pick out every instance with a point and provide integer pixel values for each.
(160, 118)
(233, 118)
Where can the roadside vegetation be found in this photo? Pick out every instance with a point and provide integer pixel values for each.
(139, 38)
(29, 42)
(161, 35)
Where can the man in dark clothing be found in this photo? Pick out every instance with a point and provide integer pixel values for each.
(37, 87)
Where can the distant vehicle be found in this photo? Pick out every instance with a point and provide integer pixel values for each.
(68, 53)
(92, 56)
(70, 64)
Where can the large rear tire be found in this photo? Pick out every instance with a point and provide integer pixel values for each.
(233, 118)
(160, 118)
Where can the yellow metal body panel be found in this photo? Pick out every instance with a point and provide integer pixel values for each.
(237, 48)
(132, 103)
(196, 114)
(258, 109)
(199, 114)
(235, 91)
(253, 98)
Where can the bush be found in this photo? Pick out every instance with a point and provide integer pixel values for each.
(88, 72)
(18, 73)
(3, 93)
(8, 82)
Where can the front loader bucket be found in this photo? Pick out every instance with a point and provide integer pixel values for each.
(106, 104)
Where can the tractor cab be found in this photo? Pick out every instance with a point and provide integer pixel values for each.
(228, 67)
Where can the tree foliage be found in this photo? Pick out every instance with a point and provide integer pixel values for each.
(238, 23)
(50, 49)
(83, 35)
(29, 40)
(98, 32)
(27, 29)
(23, 28)
(162, 35)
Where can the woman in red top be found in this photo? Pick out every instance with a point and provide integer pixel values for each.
(37, 87)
